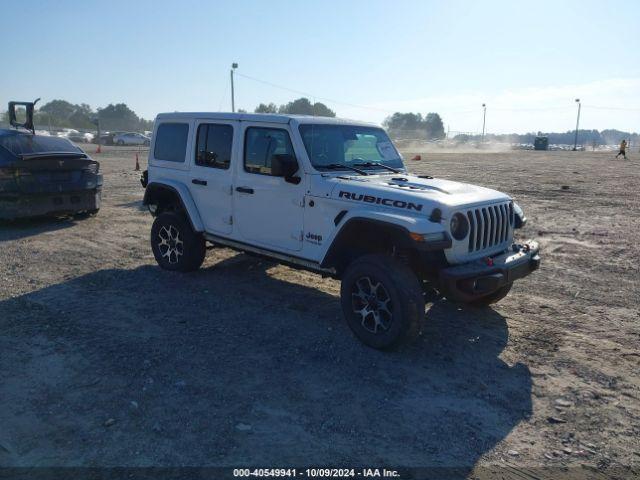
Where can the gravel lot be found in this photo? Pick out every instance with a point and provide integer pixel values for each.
(108, 361)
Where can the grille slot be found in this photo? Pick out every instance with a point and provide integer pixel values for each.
(489, 226)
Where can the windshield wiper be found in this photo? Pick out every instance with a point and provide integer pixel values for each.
(340, 166)
(377, 164)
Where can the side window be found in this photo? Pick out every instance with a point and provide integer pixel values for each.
(171, 142)
(214, 145)
(261, 144)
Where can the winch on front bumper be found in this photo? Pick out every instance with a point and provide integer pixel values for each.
(470, 281)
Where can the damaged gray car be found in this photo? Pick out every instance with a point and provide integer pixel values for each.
(44, 175)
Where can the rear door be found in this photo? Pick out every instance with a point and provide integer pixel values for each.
(268, 210)
(211, 180)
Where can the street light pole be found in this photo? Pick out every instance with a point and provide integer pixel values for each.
(233, 100)
(484, 119)
(575, 143)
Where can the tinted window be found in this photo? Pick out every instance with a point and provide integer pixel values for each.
(261, 144)
(214, 145)
(171, 142)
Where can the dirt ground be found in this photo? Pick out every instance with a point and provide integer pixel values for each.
(106, 360)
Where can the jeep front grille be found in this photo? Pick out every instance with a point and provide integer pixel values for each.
(489, 226)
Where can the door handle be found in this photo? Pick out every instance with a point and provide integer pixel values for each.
(197, 181)
(244, 190)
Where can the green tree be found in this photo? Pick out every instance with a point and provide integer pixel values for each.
(434, 126)
(119, 117)
(59, 109)
(414, 126)
(303, 106)
(262, 108)
(405, 125)
(321, 110)
(60, 113)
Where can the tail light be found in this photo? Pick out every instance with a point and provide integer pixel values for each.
(92, 168)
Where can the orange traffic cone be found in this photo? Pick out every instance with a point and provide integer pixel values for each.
(137, 164)
(98, 150)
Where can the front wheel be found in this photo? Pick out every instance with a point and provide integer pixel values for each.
(381, 301)
(174, 243)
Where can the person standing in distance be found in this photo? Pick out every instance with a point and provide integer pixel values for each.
(623, 149)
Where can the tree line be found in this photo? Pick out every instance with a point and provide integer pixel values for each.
(414, 126)
(58, 114)
(585, 137)
(300, 106)
(399, 125)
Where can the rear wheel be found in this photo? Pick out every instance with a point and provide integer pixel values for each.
(381, 301)
(174, 243)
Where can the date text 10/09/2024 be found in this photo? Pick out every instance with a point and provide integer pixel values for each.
(316, 472)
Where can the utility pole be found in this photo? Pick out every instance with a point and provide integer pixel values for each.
(575, 143)
(233, 100)
(484, 119)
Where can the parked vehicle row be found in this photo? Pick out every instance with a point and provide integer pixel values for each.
(106, 138)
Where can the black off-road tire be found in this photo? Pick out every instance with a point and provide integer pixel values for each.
(406, 301)
(494, 297)
(174, 243)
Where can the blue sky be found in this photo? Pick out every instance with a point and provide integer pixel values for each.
(365, 59)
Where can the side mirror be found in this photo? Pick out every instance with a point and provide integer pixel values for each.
(29, 108)
(285, 165)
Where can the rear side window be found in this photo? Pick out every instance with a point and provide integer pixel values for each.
(214, 145)
(261, 144)
(171, 142)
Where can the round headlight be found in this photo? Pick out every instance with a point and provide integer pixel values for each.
(459, 226)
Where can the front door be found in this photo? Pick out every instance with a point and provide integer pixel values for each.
(210, 182)
(268, 210)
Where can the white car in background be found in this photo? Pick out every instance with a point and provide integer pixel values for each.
(131, 138)
(80, 137)
(65, 132)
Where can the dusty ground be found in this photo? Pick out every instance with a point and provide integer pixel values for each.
(107, 360)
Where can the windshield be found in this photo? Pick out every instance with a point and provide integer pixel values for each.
(22, 144)
(330, 146)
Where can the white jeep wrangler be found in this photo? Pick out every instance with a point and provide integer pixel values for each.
(334, 197)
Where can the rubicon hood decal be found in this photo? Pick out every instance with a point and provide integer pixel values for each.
(388, 202)
(410, 192)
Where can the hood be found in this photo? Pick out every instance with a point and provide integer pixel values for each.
(417, 193)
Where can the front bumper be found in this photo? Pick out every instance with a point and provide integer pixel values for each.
(23, 206)
(470, 281)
